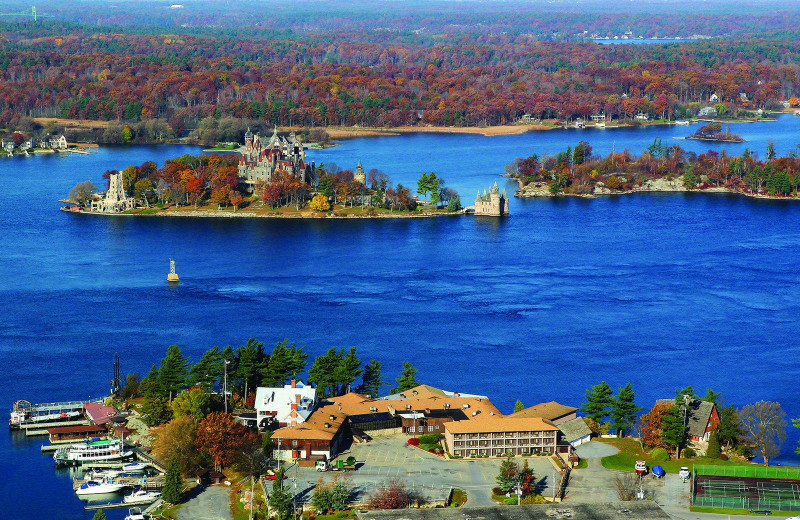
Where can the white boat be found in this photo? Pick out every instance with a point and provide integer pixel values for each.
(92, 451)
(100, 474)
(93, 487)
(141, 497)
(135, 513)
(600, 125)
(133, 467)
(682, 122)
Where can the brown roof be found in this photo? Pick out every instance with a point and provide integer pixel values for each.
(550, 411)
(89, 428)
(319, 426)
(496, 424)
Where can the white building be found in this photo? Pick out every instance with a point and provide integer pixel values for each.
(289, 405)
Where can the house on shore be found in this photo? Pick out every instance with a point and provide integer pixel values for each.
(701, 418)
(498, 436)
(288, 405)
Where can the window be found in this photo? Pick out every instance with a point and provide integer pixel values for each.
(437, 426)
(420, 429)
(430, 428)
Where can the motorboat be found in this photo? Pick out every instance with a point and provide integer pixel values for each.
(133, 467)
(94, 487)
(682, 122)
(92, 451)
(135, 513)
(141, 497)
(100, 474)
(641, 468)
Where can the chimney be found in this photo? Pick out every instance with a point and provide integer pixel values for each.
(294, 383)
(297, 398)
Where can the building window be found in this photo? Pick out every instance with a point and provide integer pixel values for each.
(437, 426)
(430, 428)
(420, 429)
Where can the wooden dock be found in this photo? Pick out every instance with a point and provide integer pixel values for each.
(37, 429)
(149, 484)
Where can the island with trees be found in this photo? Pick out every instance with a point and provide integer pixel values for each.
(211, 186)
(713, 132)
(579, 172)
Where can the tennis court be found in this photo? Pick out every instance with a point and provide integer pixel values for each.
(747, 488)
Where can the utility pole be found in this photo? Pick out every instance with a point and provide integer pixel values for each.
(252, 485)
(225, 386)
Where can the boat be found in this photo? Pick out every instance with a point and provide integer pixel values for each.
(100, 474)
(600, 125)
(94, 487)
(141, 497)
(580, 123)
(682, 122)
(133, 467)
(135, 513)
(25, 413)
(92, 451)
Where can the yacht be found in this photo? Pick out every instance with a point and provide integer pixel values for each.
(682, 122)
(92, 451)
(100, 474)
(133, 467)
(141, 497)
(135, 513)
(93, 487)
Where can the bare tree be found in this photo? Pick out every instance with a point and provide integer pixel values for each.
(627, 485)
(765, 424)
(82, 192)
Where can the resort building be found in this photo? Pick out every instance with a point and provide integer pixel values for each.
(492, 203)
(321, 437)
(552, 411)
(500, 436)
(289, 405)
(261, 161)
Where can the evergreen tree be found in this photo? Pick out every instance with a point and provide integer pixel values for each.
(713, 450)
(250, 360)
(266, 444)
(173, 482)
(99, 515)
(323, 371)
(730, 429)
(208, 371)
(598, 400)
(280, 500)
(623, 410)
(507, 478)
(173, 371)
(150, 387)
(371, 381)
(284, 364)
(348, 370)
(407, 378)
(711, 396)
(674, 430)
(422, 185)
(155, 411)
(518, 406)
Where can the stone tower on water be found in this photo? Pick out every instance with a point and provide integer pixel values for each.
(492, 203)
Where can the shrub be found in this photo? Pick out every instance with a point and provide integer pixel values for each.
(689, 453)
(722, 456)
(413, 441)
(497, 491)
(713, 450)
(511, 501)
(430, 438)
(659, 455)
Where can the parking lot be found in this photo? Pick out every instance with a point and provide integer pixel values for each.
(386, 458)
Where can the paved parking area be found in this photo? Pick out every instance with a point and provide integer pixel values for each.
(386, 458)
(208, 503)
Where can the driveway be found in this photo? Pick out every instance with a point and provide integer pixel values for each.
(593, 483)
(390, 457)
(210, 503)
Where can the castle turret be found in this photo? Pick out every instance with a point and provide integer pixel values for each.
(359, 175)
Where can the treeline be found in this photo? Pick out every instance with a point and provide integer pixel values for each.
(187, 82)
(578, 171)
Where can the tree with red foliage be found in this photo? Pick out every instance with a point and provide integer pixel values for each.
(236, 198)
(650, 428)
(224, 439)
(392, 495)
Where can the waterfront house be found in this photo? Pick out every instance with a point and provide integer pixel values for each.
(288, 405)
(321, 437)
(100, 414)
(65, 434)
(707, 112)
(57, 142)
(701, 418)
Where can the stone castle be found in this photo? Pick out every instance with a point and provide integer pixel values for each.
(492, 203)
(115, 200)
(260, 162)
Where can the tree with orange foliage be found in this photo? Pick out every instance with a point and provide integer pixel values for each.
(224, 439)
(236, 198)
(650, 428)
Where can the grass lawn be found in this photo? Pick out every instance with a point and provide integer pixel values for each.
(630, 452)
(582, 463)
(731, 511)
(459, 498)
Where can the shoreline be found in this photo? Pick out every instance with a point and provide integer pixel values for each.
(545, 193)
(210, 213)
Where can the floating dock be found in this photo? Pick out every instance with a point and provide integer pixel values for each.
(152, 507)
(149, 484)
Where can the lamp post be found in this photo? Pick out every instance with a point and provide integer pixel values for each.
(225, 385)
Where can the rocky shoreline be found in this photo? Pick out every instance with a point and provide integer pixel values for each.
(542, 190)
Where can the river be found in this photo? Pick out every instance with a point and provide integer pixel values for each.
(662, 290)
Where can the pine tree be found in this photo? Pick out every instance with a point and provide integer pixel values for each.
(208, 371)
(173, 371)
(407, 378)
(713, 449)
(323, 371)
(673, 429)
(99, 515)
(348, 370)
(249, 361)
(173, 482)
(150, 387)
(623, 410)
(507, 478)
(598, 401)
(518, 406)
(371, 379)
(285, 363)
(280, 500)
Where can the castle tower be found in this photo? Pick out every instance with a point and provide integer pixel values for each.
(492, 203)
(359, 175)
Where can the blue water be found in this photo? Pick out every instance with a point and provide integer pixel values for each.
(662, 290)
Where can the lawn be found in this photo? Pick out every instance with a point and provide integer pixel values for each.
(630, 452)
